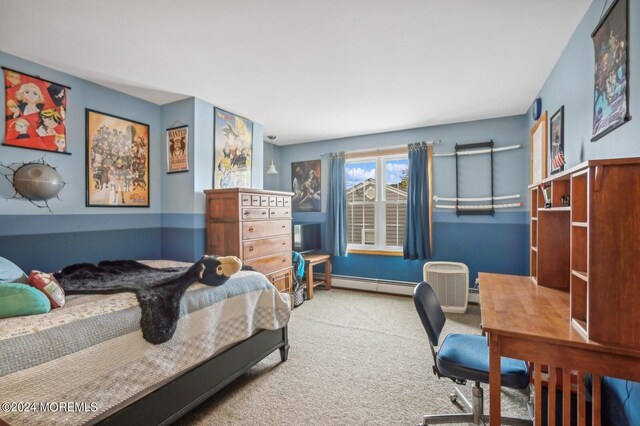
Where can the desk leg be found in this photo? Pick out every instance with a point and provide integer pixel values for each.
(494, 380)
(327, 274)
(310, 281)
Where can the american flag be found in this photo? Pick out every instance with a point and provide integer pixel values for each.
(558, 160)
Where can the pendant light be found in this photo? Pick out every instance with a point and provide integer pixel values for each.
(272, 168)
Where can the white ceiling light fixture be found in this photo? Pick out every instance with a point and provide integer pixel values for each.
(272, 168)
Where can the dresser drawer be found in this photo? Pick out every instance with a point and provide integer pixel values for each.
(279, 201)
(245, 200)
(271, 263)
(287, 202)
(263, 247)
(272, 201)
(264, 201)
(283, 213)
(255, 200)
(258, 213)
(251, 230)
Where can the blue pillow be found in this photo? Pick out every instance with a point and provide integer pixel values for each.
(10, 273)
(18, 299)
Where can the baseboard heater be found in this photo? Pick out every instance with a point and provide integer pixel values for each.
(404, 288)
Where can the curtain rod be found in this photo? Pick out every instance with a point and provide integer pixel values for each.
(386, 148)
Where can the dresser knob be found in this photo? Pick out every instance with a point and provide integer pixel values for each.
(284, 244)
(284, 260)
(246, 213)
(250, 248)
(251, 229)
(264, 213)
(284, 226)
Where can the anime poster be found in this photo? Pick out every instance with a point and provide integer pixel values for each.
(233, 155)
(35, 113)
(305, 186)
(117, 161)
(177, 149)
(611, 86)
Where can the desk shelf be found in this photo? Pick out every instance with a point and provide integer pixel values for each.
(591, 248)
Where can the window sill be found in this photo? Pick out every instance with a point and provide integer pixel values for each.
(373, 252)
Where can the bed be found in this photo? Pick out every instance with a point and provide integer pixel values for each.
(87, 363)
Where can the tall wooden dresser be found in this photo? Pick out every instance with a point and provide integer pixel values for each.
(254, 225)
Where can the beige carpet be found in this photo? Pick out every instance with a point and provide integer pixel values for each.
(355, 358)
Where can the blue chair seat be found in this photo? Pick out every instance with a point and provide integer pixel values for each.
(466, 356)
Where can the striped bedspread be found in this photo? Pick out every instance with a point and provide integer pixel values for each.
(88, 359)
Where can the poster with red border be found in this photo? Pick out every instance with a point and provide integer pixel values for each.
(35, 113)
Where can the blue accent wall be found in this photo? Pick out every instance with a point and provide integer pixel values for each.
(483, 243)
(171, 228)
(571, 84)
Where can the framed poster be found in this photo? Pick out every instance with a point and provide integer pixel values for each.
(557, 141)
(178, 149)
(538, 146)
(611, 85)
(233, 154)
(35, 114)
(305, 186)
(117, 161)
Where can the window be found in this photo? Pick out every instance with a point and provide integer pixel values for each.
(376, 213)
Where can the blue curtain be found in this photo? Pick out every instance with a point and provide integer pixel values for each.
(416, 230)
(337, 206)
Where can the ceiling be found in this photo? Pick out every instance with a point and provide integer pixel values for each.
(307, 69)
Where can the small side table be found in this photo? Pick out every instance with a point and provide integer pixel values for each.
(311, 260)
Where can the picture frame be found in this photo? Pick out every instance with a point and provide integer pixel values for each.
(306, 186)
(35, 112)
(178, 149)
(117, 161)
(611, 76)
(556, 141)
(538, 150)
(233, 150)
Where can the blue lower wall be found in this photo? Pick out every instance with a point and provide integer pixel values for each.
(482, 247)
(52, 251)
(50, 242)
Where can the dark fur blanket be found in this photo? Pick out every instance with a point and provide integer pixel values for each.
(159, 290)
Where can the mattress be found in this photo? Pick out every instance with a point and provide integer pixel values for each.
(86, 360)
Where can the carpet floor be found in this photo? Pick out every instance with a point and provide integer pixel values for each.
(355, 358)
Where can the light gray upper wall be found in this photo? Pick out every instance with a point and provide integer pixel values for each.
(83, 94)
(511, 168)
(571, 84)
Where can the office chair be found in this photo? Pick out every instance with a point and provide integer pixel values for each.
(463, 357)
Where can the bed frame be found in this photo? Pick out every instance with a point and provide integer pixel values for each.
(170, 401)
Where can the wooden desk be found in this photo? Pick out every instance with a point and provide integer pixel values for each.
(311, 260)
(525, 321)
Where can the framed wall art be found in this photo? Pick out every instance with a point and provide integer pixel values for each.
(538, 146)
(233, 153)
(35, 114)
(178, 149)
(611, 85)
(305, 185)
(557, 141)
(117, 161)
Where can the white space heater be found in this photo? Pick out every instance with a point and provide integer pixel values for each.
(450, 281)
